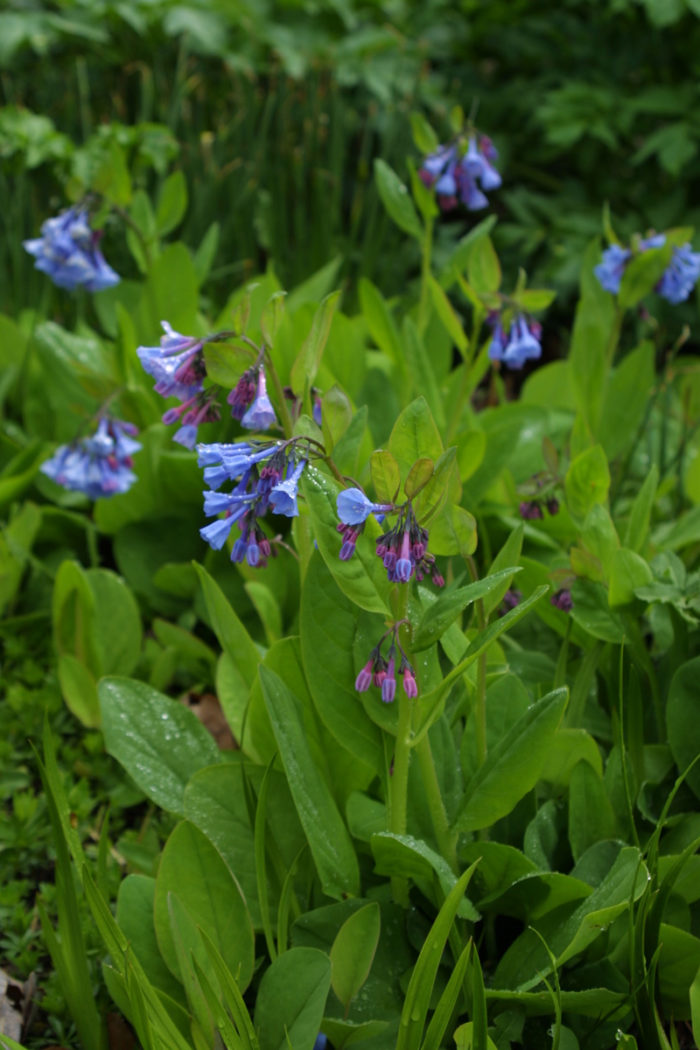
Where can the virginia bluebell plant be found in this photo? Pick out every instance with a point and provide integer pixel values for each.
(677, 281)
(265, 476)
(520, 343)
(68, 252)
(462, 175)
(99, 465)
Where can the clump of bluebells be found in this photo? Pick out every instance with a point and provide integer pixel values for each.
(381, 671)
(462, 172)
(677, 281)
(179, 368)
(265, 477)
(515, 342)
(68, 252)
(402, 548)
(99, 465)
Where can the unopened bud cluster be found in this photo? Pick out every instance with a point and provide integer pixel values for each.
(381, 671)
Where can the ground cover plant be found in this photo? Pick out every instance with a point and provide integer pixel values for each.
(357, 642)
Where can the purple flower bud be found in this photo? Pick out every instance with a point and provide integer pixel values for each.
(562, 600)
(389, 683)
(552, 505)
(410, 685)
(364, 678)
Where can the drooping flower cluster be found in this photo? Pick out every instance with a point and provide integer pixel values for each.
(265, 476)
(381, 671)
(403, 548)
(460, 175)
(519, 344)
(676, 282)
(68, 252)
(99, 465)
(178, 367)
(249, 401)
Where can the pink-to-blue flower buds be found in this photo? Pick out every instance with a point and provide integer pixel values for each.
(68, 253)
(99, 465)
(520, 344)
(462, 176)
(677, 281)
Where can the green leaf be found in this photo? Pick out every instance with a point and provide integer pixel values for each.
(192, 869)
(640, 515)
(447, 315)
(385, 475)
(414, 436)
(438, 616)
(271, 317)
(418, 477)
(425, 139)
(172, 203)
(135, 918)
(381, 323)
(459, 258)
(587, 481)
(682, 724)
(626, 400)
(431, 702)
(328, 625)
(627, 572)
(411, 858)
(232, 635)
(453, 532)
(292, 998)
(159, 742)
(396, 199)
(329, 841)
(447, 1002)
(353, 952)
(79, 690)
(591, 817)
(509, 554)
(362, 578)
(420, 987)
(532, 300)
(484, 269)
(203, 258)
(514, 766)
(309, 358)
(593, 326)
(420, 368)
(641, 274)
(215, 803)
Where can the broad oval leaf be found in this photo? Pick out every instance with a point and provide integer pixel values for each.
(292, 998)
(160, 743)
(194, 871)
(353, 952)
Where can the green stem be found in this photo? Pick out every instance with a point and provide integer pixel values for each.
(447, 840)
